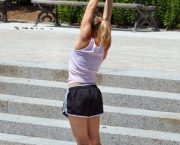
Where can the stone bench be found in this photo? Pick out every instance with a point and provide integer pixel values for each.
(47, 6)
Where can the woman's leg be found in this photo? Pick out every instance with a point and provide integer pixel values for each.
(85, 130)
(79, 126)
(93, 130)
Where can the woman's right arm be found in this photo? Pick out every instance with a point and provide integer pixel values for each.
(107, 17)
(108, 11)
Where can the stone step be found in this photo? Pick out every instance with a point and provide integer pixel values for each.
(115, 116)
(144, 80)
(11, 139)
(142, 99)
(60, 130)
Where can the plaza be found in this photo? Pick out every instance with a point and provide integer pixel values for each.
(140, 82)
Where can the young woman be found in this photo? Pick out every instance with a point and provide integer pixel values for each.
(83, 103)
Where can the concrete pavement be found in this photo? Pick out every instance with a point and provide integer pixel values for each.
(139, 51)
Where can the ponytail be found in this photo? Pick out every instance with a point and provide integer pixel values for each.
(102, 29)
(104, 34)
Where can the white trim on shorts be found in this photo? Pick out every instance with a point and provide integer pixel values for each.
(84, 116)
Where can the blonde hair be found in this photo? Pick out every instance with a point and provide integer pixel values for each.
(102, 29)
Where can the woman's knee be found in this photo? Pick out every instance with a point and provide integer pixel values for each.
(83, 141)
(95, 141)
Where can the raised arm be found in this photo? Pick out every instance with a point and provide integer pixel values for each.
(108, 10)
(107, 17)
(85, 29)
(88, 15)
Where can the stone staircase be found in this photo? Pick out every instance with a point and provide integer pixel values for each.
(141, 108)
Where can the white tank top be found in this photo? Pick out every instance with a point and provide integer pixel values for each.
(85, 63)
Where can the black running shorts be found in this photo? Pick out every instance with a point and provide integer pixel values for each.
(83, 101)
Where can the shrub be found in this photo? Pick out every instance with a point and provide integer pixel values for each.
(172, 14)
(70, 14)
(168, 13)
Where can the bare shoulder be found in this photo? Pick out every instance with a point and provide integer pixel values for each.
(82, 43)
